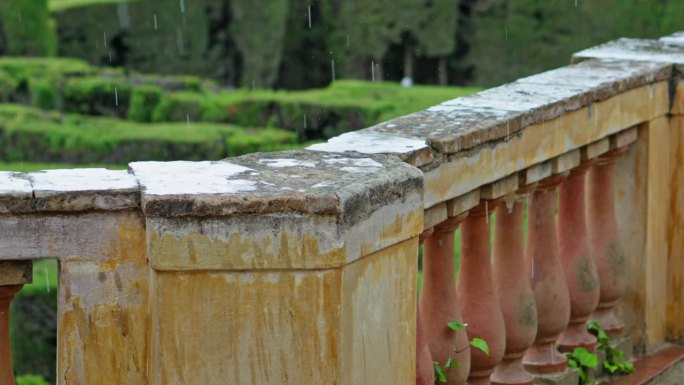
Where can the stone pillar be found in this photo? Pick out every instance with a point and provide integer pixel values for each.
(547, 279)
(425, 374)
(478, 300)
(438, 303)
(514, 291)
(605, 242)
(578, 263)
(13, 276)
(283, 268)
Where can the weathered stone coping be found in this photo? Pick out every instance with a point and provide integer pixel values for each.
(669, 50)
(424, 138)
(68, 190)
(303, 182)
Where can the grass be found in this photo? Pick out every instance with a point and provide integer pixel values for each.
(29, 167)
(61, 5)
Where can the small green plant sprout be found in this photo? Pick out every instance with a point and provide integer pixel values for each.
(452, 363)
(615, 362)
(582, 360)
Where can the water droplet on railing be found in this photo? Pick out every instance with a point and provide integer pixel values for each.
(47, 280)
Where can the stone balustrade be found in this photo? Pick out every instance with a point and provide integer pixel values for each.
(300, 267)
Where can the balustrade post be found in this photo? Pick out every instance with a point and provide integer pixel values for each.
(515, 294)
(13, 276)
(478, 301)
(547, 279)
(605, 242)
(578, 264)
(425, 374)
(438, 302)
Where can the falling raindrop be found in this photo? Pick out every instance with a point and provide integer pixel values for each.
(309, 16)
(486, 211)
(182, 6)
(333, 69)
(253, 85)
(104, 33)
(305, 121)
(575, 3)
(110, 56)
(372, 71)
(155, 21)
(506, 32)
(97, 44)
(116, 96)
(47, 280)
(188, 119)
(179, 41)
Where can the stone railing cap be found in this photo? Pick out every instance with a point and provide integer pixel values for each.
(655, 51)
(307, 182)
(68, 190)
(674, 39)
(497, 113)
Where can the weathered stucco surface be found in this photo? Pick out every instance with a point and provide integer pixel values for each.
(103, 315)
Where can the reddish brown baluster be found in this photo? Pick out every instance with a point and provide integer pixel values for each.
(547, 279)
(6, 371)
(578, 264)
(604, 241)
(515, 294)
(477, 297)
(425, 374)
(438, 304)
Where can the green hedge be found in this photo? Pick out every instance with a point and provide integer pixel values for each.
(343, 106)
(32, 135)
(75, 87)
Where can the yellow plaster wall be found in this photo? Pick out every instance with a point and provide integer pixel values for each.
(103, 310)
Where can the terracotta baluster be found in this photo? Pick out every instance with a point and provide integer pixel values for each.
(514, 291)
(477, 297)
(425, 374)
(547, 279)
(604, 241)
(578, 264)
(6, 295)
(438, 304)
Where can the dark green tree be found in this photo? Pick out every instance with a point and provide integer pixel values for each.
(27, 28)
(436, 33)
(258, 31)
(370, 26)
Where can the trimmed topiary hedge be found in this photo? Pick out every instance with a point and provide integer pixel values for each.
(32, 135)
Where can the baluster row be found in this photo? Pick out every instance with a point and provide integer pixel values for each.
(529, 302)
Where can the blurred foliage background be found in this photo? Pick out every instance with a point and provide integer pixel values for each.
(293, 43)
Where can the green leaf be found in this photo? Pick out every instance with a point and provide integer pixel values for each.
(455, 325)
(585, 358)
(481, 344)
(451, 364)
(440, 376)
